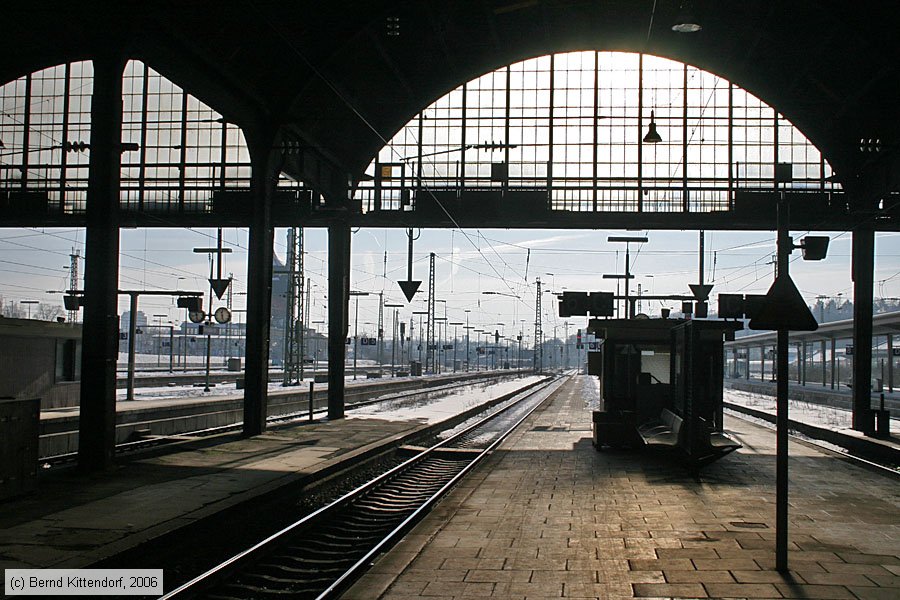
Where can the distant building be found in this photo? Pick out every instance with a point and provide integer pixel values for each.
(281, 281)
(143, 344)
(40, 359)
(125, 320)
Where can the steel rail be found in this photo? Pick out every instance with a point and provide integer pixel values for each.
(281, 419)
(412, 519)
(216, 576)
(843, 453)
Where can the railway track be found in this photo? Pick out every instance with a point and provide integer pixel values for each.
(322, 553)
(889, 470)
(185, 437)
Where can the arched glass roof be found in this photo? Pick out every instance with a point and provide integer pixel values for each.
(567, 128)
(571, 125)
(177, 150)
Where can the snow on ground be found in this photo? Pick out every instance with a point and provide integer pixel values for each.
(436, 406)
(819, 415)
(590, 389)
(179, 392)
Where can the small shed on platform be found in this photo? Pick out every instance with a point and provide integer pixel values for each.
(40, 359)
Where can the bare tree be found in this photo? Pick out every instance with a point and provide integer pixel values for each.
(10, 309)
(48, 312)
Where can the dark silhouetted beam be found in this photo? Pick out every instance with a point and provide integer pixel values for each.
(100, 342)
(338, 301)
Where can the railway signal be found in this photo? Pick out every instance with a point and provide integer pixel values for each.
(580, 304)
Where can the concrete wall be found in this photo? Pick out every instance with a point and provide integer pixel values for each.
(28, 362)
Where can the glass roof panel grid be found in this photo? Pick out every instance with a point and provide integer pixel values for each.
(570, 125)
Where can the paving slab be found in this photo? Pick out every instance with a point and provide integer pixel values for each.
(74, 520)
(568, 521)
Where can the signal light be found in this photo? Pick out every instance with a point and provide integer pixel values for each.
(701, 310)
(739, 306)
(731, 306)
(753, 304)
(192, 303)
(579, 304)
(601, 304)
(573, 304)
(815, 247)
(72, 302)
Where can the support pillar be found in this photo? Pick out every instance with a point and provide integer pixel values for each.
(762, 363)
(260, 249)
(863, 276)
(824, 365)
(833, 361)
(338, 306)
(784, 245)
(890, 362)
(747, 374)
(100, 344)
(774, 361)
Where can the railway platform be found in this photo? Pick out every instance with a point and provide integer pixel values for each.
(74, 520)
(547, 516)
(173, 410)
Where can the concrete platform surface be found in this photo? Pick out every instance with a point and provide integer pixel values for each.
(547, 516)
(75, 520)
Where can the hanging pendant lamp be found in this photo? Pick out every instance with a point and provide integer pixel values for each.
(686, 21)
(652, 136)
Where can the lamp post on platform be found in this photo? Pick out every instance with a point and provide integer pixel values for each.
(627, 240)
(356, 328)
(28, 303)
(456, 325)
(218, 251)
(159, 318)
(468, 329)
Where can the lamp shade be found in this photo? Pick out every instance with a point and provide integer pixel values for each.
(686, 21)
(652, 136)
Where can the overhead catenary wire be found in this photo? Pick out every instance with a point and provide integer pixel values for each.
(368, 124)
(502, 276)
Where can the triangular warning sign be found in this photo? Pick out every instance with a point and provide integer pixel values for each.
(701, 291)
(784, 308)
(219, 286)
(409, 288)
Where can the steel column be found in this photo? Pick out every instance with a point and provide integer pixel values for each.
(132, 343)
(338, 306)
(100, 344)
(762, 362)
(747, 359)
(863, 275)
(890, 358)
(260, 253)
(833, 360)
(781, 401)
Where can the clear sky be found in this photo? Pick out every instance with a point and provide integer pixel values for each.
(468, 263)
